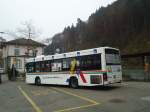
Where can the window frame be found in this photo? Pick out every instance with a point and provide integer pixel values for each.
(16, 51)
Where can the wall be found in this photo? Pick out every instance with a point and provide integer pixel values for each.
(134, 69)
(40, 51)
(9, 51)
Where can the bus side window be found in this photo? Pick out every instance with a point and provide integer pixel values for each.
(90, 62)
(66, 64)
(56, 66)
(43, 66)
(83, 62)
(47, 66)
(30, 67)
(37, 66)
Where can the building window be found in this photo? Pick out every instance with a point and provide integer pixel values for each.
(35, 53)
(18, 63)
(17, 52)
(8, 62)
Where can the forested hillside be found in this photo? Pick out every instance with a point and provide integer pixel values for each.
(124, 24)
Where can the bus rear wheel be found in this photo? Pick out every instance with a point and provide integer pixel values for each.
(37, 81)
(74, 83)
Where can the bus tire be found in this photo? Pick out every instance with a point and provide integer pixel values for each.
(73, 83)
(37, 81)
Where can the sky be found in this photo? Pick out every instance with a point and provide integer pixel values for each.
(48, 16)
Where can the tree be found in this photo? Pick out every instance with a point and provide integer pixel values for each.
(123, 24)
(28, 30)
(47, 41)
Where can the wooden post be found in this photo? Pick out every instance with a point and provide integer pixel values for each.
(146, 66)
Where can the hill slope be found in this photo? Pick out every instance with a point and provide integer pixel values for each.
(125, 24)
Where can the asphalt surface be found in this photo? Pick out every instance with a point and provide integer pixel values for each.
(125, 97)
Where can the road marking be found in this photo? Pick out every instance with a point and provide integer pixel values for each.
(74, 108)
(146, 98)
(34, 105)
(124, 84)
(93, 103)
(40, 93)
(72, 94)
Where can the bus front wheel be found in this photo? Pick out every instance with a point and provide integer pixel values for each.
(37, 81)
(73, 83)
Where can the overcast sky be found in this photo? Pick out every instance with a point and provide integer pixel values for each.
(49, 16)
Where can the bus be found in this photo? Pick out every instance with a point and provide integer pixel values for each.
(91, 67)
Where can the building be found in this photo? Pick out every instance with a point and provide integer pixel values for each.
(17, 51)
(1, 60)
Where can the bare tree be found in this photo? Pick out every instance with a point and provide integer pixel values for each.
(28, 30)
(47, 41)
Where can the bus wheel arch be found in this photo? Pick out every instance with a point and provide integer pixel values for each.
(73, 82)
(37, 81)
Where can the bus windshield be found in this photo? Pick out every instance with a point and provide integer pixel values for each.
(112, 57)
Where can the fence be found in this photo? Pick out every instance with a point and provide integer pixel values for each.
(136, 67)
(136, 74)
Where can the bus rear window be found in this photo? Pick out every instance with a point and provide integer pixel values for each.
(112, 57)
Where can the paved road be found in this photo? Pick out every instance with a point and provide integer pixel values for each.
(125, 97)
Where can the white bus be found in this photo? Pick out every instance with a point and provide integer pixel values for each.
(91, 67)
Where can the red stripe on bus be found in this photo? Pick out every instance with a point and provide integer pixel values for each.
(97, 71)
(82, 77)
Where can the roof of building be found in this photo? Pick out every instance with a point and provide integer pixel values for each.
(23, 41)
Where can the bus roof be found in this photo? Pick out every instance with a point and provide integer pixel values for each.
(69, 54)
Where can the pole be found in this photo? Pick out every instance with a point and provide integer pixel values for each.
(13, 69)
(146, 66)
